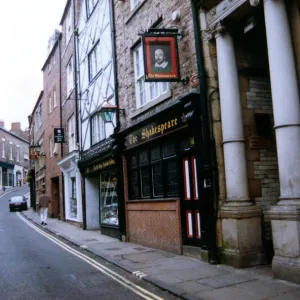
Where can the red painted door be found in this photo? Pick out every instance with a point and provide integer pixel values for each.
(190, 201)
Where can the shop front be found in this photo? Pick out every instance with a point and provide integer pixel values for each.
(100, 194)
(165, 204)
(72, 188)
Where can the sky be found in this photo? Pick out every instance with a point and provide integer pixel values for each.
(26, 27)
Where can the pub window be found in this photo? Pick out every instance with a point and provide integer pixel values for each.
(153, 173)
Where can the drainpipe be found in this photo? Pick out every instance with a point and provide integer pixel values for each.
(60, 119)
(118, 154)
(75, 72)
(77, 115)
(206, 147)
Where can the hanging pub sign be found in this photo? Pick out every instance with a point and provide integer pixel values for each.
(161, 61)
(59, 135)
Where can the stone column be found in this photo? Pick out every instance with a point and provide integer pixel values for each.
(241, 220)
(286, 106)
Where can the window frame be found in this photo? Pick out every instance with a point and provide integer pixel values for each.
(17, 153)
(101, 134)
(136, 189)
(10, 151)
(162, 88)
(96, 63)
(3, 147)
(50, 147)
(50, 104)
(70, 77)
(54, 98)
(72, 133)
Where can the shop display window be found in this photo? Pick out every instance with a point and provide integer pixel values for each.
(73, 199)
(109, 198)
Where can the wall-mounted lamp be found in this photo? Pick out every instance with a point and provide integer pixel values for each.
(107, 111)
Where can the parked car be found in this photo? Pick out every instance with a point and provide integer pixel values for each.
(19, 202)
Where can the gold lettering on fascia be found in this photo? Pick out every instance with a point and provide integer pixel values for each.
(152, 131)
(100, 166)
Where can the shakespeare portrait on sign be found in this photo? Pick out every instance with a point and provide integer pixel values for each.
(161, 58)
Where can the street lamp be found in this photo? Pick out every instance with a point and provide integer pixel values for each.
(107, 111)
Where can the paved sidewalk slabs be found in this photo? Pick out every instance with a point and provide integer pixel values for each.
(185, 277)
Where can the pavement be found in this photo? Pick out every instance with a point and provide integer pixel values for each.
(185, 277)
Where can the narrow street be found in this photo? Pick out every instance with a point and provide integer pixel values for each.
(37, 265)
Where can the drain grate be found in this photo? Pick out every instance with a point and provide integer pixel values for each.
(139, 249)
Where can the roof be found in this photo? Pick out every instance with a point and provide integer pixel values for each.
(52, 51)
(36, 104)
(13, 134)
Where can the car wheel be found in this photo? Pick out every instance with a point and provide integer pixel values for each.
(25, 208)
(11, 209)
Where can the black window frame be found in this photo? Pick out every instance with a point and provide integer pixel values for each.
(135, 187)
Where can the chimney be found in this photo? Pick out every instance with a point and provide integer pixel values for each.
(1, 123)
(16, 127)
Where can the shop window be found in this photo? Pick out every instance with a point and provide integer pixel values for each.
(73, 199)
(109, 198)
(153, 173)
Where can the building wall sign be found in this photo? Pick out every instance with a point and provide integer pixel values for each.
(100, 166)
(59, 135)
(161, 61)
(156, 129)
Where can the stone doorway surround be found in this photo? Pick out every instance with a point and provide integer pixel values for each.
(240, 217)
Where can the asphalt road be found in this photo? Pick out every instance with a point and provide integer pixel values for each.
(33, 266)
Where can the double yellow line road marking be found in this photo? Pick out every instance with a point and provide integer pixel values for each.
(113, 275)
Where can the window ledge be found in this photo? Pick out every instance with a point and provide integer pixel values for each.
(135, 10)
(151, 104)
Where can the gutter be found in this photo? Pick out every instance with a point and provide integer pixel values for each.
(207, 167)
(118, 141)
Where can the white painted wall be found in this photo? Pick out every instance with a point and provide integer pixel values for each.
(92, 202)
(92, 30)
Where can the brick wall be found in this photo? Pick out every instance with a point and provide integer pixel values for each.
(154, 224)
(263, 165)
(50, 121)
(67, 51)
(129, 25)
